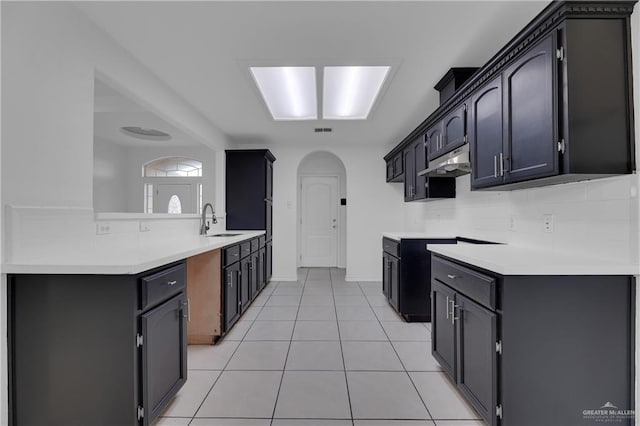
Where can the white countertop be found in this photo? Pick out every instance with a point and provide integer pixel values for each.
(132, 259)
(417, 235)
(514, 260)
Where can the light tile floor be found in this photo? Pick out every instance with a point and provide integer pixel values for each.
(319, 352)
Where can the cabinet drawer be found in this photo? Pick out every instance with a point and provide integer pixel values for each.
(391, 246)
(255, 245)
(245, 249)
(261, 241)
(162, 285)
(473, 284)
(231, 254)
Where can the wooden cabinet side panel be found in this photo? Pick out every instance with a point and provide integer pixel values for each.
(204, 294)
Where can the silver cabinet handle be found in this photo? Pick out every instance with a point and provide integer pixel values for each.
(172, 282)
(452, 277)
(495, 166)
(501, 165)
(447, 313)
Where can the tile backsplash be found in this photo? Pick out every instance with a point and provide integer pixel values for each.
(597, 217)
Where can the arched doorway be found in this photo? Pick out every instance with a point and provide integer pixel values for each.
(322, 210)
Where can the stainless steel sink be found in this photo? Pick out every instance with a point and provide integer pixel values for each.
(223, 235)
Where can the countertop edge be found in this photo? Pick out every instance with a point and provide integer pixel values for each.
(133, 268)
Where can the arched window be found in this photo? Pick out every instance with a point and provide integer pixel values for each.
(175, 206)
(173, 167)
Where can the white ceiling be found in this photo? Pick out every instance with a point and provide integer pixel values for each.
(113, 110)
(203, 49)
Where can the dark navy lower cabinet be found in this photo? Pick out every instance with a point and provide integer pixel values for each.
(406, 276)
(535, 350)
(96, 349)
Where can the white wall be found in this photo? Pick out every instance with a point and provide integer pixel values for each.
(323, 163)
(50, 55)
(109, 177)
(372, 205)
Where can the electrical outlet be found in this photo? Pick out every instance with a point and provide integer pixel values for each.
(103, 228)
(144, 226)
(547, 222)
(512, 223)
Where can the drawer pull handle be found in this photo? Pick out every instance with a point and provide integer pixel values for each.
(451, 277)
(172, 282)
(447, 308)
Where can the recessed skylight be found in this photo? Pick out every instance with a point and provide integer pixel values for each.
(350, 92)
(289, 92)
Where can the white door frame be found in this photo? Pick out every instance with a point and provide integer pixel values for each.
(339, 223)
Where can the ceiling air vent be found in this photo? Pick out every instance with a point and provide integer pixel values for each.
(322, 129)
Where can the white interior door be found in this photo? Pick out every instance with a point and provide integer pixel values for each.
(166, 191)
(319, 221)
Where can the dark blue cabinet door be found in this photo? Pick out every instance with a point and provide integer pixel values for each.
(477, 356)
(443, 344)
(231, 308)
(434, 141)
(530, 124)
(164, 354)
(419, 163)
(409, 174)
(245, 283)
(485, 135)
(394, 282)
(454, 127)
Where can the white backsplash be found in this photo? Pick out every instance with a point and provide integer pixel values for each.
(62, 235)
(599, 217)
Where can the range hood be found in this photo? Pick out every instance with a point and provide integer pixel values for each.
(452, 164)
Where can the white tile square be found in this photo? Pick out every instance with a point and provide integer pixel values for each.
(251, 313)
(347, 290)
(387, 314)
(278, 313)
(317, 284)
(287, 291)
(384, 395)
(350, 300)
(313, 422)
(230, 422)
(441, 397)
(291, 284)
(261, 299)
(376, 300)
(406, 331)
(210, 357)
(416, 356)
(372, 291)
(316, 330)
(242, 394)
(317, 291)
(283, 301)
(355, 313)
(172, 421)
(370, 356)
(313, 394)
(361, 330)
(393, 423)
(259, 356)
(317, 300)
(316, 313)
(315, 356)
(270, 330)
(318, 274)
(189, 398)
(238, 330)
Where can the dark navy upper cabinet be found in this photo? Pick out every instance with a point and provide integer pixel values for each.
(454, 128)
(485, 134)
(554, 105)
(530, 136)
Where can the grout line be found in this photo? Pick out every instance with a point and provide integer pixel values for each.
(286, 358)
(403, 366)
(344, 365)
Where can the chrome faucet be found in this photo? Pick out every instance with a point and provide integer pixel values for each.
(204, 225)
